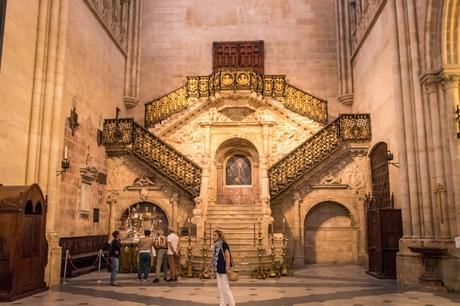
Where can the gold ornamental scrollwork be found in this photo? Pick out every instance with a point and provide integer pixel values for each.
(235, 79)
(346, 128)
(157, 153)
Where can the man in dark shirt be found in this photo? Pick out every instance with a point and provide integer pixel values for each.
(114, 254)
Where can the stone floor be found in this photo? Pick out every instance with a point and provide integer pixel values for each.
(315, 285)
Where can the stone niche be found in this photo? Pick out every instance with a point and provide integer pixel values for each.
(237, 169)
(130, 182)
(331, 235)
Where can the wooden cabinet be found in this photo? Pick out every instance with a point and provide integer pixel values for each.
(23, 245)
(234, 54)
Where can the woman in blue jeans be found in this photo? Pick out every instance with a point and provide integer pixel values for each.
(114, 254)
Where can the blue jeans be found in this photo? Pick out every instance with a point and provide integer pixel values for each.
(114, 265)
(144, 265)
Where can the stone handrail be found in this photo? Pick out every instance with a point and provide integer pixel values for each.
(236, 79)
(128, 135)
(346, 128)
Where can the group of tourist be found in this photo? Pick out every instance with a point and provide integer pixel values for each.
(165, 249)
(158, 246)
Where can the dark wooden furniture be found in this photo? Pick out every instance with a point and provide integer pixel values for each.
(23, 245)
(384, 231)
(384, 222)
(234, 54)
(83, 252)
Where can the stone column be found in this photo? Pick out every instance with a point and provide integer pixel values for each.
(451, 94)
(133, 55)
(405, 135)
(264, 160)
(420, 119)
(298, 234)
(46, 132)
(431, 83)
(174, 201)
(344, 53)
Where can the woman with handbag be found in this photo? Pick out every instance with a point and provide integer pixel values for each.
(222, 265)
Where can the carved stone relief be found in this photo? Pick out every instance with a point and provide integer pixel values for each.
(188, 138)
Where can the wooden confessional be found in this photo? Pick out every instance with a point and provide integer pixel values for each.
(23, 245)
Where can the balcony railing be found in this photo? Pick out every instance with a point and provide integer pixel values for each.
(234, 79)
(346, 128)
(128, 135)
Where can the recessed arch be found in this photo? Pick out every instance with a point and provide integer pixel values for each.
(147, 208)
(331, 234)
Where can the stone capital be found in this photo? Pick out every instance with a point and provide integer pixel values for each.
(346, 99)
(130, 102)
(430, 81)
(450, 80)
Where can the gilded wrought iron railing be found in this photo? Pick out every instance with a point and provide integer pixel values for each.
(131, 136)
(274, 86)
(346, 128)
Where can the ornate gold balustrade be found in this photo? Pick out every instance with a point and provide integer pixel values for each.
(346, 128)
(128, 135)
(274, 86)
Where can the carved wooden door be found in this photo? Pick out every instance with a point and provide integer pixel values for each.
(380, 176)
(384, 224)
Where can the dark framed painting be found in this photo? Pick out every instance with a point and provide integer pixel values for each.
(238, 171)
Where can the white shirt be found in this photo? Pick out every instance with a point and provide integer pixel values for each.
(173, 241)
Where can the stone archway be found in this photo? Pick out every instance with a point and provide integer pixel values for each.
(154, 217)
(331, 234)
(237, 172)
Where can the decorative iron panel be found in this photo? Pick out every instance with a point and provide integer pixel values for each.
(131, 136)
(235, 79)
(346, 128)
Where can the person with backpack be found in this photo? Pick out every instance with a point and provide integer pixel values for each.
(222, 262)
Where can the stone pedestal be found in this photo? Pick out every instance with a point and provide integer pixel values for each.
(53, 268)
(411, 268)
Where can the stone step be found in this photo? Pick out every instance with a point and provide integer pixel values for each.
(244, 266)
(233, 208)
(235, 213)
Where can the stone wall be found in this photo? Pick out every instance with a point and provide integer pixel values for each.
(93, 84)
(16, 82)
(300, 41)
(375, 90)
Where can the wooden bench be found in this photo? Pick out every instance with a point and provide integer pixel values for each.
(84, 252)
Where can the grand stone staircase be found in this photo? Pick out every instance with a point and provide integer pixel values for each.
(124, 136)
(238, 222)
